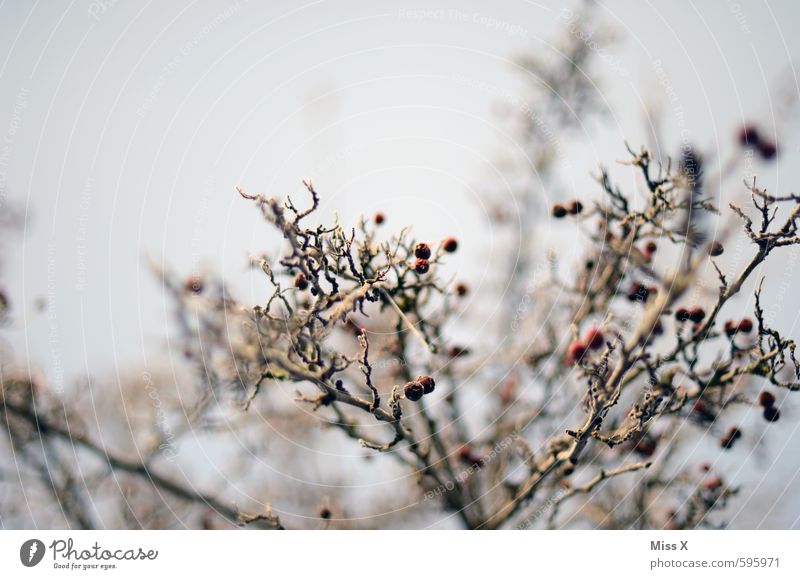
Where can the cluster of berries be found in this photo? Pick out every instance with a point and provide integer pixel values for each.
(640, 292)
(593, 339)
(694, 314)
(559, 210)
(745, 326)
(416, 389)
(750, 138)
(422, 253)
(767, 401)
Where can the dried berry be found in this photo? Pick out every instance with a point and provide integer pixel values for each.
(422, 251)
(194, 284)
(574, 207)
(772, 414)
(450, 244)
(428, 383)
(379, 218)
(651, 247)
(421, 266)
(325, 513)
(766, 399)
(558, 211)
(575, 352)
(413, 390)
(745, 326)
(748, 136)
(767, 150)
(682, 314)
(696, 314)
(458, 351)
(730, 437)
(593, 338)
(731, 328)
(300, 281)
(646, 446)
(461, 289)
(715, 249)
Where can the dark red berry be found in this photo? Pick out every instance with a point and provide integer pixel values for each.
(772, 414)
(651, 247)
(422, 251)
(450, 244)
(458, 351)
(766, 399)
(300, 282)
(428, 383)
(748, 136)
(421, 266)
(745, 326)
(558, 211)
(574, 207)
(731, 328)
(593, 338)
(575, 352)
(379, 218)
(767, 150)
(730, 437)
(194, 284)
(325, 513)
(682, 314)
(413, 390)
(646, 446)
(715, 249)
(696, 314)
(462, 289)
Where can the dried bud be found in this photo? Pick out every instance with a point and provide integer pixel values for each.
(428, 383)
(421, 266)
(422, 251)
(413, 390)
(450, 244)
